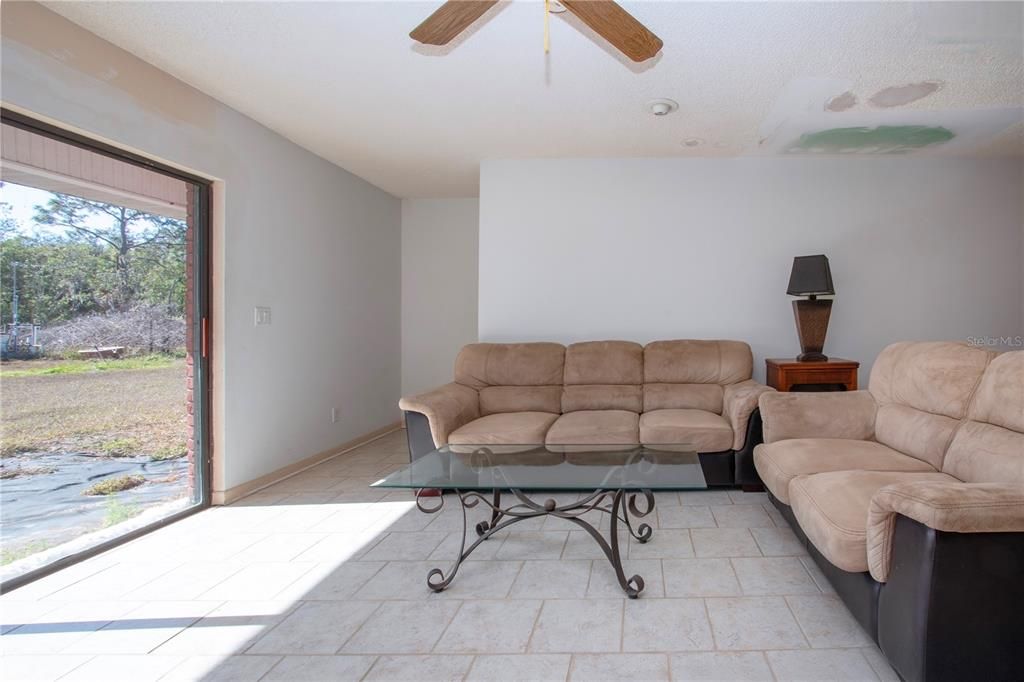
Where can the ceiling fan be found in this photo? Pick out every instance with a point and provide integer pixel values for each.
(604, 17)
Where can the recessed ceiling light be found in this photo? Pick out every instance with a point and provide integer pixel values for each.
(555, 7)
(662, 107)
(693, 142)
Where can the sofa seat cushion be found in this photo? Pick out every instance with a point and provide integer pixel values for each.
(832, 509)
(707, 431)
(780, 462)
(513, 428)
(596, 427)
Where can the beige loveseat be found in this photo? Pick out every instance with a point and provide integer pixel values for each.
(599, 392)
(910, 496)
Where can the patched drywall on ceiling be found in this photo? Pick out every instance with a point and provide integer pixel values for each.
(825, 116)
(345, 81)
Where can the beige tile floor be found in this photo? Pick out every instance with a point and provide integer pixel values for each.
(321, 578)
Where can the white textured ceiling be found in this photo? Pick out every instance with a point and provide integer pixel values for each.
(344, 80)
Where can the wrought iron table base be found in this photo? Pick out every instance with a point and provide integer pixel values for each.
(618, 504)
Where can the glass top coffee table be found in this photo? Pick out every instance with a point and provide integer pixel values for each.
(608, 478)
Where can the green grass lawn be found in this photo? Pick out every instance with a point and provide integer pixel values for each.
(134, 406)
(32, 368)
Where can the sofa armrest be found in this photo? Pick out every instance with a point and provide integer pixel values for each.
(950, 506)
(446, 408)
(739, 402)
(849, 414)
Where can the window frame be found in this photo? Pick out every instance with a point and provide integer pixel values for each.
(200, 329)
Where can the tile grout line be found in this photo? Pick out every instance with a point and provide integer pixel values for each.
(508, 592)
(711, 626)
(270, 669)
(808, 574)
(369, 616)
(297, 578)
(75, 582)
(229, 576)
(373, 665)
(358, 556)
(447, 625)
(472, 662)
(771, 670)
(383, 565)
(88, 659)
(184, 629)
(536, 620)
(757, 544)
(739, 583)
(796, 620)
(870, 664)
(470, 668)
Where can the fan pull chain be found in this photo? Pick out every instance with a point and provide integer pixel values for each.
(547, 38)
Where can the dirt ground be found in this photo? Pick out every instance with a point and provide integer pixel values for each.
(93, 411)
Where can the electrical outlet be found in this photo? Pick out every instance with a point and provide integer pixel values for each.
(334, 415)
(261, 315)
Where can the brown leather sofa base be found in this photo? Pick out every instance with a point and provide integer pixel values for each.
(951, 607)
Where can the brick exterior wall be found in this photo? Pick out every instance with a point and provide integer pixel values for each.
(190, 349)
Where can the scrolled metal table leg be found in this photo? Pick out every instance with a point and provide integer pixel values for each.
(622, 506)
(635, 584)
(446, 580)
(643, 531)
(496, 515)
(436, 578)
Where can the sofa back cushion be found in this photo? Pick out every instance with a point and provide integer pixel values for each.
(989, 446)
(922, 390)
(690, 374)
(513, 377)
(603, 375)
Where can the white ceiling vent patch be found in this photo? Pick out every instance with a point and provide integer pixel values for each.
(841, 102)
(898, 95)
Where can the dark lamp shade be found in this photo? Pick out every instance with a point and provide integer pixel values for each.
(810, 277)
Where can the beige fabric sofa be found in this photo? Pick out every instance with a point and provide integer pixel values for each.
(911, 497)
(599, 392)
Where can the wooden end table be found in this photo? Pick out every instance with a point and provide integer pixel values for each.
(786, 374)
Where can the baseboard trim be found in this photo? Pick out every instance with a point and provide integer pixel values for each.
(222, 497)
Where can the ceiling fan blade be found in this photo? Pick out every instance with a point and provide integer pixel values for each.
(617, 26)
(449, 20)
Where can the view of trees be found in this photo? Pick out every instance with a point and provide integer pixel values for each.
(101, 258)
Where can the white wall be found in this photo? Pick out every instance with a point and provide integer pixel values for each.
(645, 249)
(439, 287)
(318, 245)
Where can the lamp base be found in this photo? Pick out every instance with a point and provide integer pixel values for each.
(811, 326)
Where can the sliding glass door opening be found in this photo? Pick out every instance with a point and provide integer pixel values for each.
(103, 381)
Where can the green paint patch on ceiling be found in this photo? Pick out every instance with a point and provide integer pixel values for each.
(899, 139)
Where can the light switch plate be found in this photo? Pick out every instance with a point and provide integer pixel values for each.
(261, 315)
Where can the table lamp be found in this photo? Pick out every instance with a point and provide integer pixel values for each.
(811, 277)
